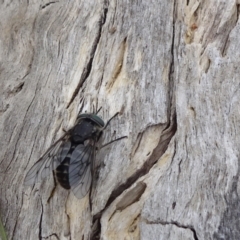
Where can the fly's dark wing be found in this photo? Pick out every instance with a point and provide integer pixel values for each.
(80, 170)
(48, 162)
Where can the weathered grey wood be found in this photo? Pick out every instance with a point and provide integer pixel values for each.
(171, 70)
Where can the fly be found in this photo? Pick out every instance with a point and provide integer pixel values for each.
(72, 156)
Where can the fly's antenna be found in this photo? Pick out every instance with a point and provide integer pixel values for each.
(95, 111)
(98, 110)
(82, 105)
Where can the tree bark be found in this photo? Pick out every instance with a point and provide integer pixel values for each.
(171, 70)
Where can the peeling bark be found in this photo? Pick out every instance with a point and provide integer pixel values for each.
(171, 72)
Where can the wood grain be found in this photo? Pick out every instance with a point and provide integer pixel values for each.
(171, 70)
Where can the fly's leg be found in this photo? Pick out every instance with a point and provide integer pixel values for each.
(106, 144)
(108, 122)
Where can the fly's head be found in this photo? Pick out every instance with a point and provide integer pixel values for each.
(88, 127)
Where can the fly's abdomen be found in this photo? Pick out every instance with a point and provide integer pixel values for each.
(62, 173)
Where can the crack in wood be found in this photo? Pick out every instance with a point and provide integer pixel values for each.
(47, 4)
(191, 228)
(87, 69)
(96, 230)
(133, 225)
(53, 190)
(135, 148)
(238, 11)
(40, 223)
(51, 235)
(30, 63)
(177, 224)
(68, 234)
(227, 41)
(12, 92)
(130, 197)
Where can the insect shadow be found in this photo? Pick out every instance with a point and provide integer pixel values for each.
(72, 157)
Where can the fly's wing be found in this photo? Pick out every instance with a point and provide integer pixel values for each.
(80, 175)
(48, 162)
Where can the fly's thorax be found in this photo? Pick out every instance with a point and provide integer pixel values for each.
(85, 129)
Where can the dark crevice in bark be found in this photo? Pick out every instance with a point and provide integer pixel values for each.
(19, 87)
(53, 190)
(225, 46)
(238, 11)
(15, 90)
(67, 228)
(50, 236)
(177, 224)
(87, 69)
(139, 139)
(96, 229)
(68, 223)
(130, 197)
(15, 225)
(226, 40)
(40, 223)
(191, 228)
(172, 107)
(48, 4)
(32, 56)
